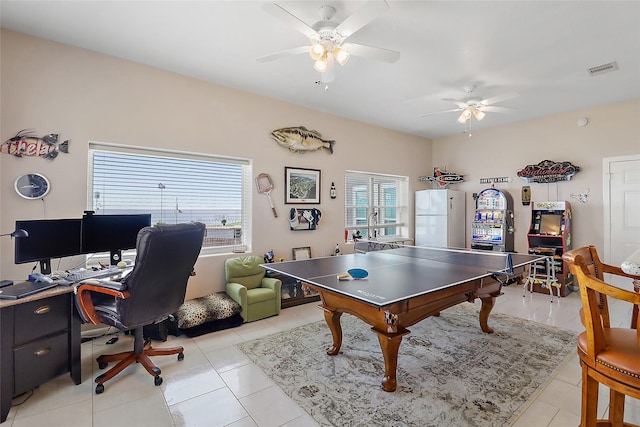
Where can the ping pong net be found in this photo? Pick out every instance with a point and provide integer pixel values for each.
(495, 263)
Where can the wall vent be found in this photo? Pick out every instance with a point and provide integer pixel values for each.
(604, 68)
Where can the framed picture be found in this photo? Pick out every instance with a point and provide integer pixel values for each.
(301, 185)
(301, 253)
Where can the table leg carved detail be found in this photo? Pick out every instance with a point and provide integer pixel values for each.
(333, 321)
(485, 310)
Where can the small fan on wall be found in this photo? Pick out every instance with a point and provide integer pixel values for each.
(476, 107)
(327, 37)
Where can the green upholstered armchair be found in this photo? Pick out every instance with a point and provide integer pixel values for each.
(259, 296)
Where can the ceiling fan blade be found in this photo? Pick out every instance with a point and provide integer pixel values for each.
(493, 109)
(367, 13)
(290, 19)
(460, 104)
(284, 53)
(499, 98)
(377, 53)
(441, 112)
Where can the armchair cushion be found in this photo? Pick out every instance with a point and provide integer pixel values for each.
(245, 271)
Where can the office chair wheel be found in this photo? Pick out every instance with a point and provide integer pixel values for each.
(157, 380)
(102, 365)
(99, 388)
(180, 356)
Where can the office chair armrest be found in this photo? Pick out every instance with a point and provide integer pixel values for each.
(85, 303)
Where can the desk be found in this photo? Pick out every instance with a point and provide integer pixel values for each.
(39, 340)
(404, 286)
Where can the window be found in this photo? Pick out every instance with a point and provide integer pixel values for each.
(174, 187)
(376, 205)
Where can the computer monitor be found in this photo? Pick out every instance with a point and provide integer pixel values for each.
(551, 224)
(48, 238)
(112, 233)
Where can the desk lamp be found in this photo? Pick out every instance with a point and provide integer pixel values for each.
(18, 233)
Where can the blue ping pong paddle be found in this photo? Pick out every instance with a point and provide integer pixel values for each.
(358, 273)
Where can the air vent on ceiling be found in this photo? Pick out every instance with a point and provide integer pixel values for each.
(604, 68)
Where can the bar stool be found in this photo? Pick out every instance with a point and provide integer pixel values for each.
(542, 272)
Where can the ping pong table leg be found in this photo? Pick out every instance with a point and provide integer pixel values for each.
(390, 346)
(333, 321)
(485, 309)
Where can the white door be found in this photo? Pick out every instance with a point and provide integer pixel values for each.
(621, 191)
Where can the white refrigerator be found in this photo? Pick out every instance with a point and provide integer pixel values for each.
(440, 218)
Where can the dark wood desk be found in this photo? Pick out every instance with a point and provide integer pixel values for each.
(39, 340)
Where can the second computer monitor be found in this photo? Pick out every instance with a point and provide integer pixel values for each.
(112, 233)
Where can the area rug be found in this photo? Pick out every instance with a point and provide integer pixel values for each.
(449, 373)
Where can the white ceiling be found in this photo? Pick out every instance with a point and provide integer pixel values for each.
(539, 49)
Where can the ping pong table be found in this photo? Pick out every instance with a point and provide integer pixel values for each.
(404, 286)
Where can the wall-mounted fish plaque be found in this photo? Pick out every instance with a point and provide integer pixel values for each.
(26, 144)
(301, 140)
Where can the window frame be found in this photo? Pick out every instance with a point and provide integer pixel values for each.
(241, 245)
(400, 208)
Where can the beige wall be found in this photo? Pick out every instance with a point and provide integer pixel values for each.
(85, 97)
(612, 131)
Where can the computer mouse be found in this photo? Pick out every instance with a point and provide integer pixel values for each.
(121, 264)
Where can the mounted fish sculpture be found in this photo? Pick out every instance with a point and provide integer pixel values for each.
(25, 143)
(300, 139)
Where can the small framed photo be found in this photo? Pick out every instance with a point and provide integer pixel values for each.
(301, 185)
(301, 253)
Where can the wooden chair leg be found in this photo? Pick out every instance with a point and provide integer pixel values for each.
(589, 399)
(616, 408)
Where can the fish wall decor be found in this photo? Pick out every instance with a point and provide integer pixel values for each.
(301, 140)
(25, 143)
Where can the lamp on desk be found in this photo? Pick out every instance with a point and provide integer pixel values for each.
(18, 233)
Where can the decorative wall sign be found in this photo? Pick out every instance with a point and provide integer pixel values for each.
(442, 178)
(25, 143)
(548, 171)
(495, 180)
(300, 139)
(301, 185)
(304, 219)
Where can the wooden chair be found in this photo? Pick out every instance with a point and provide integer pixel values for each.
(608, 356)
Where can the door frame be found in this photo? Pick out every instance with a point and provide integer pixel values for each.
(606, 198)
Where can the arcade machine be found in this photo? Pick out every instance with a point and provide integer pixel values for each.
(550, 233)
(492, 226)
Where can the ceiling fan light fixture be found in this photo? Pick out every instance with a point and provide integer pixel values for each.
(464, 116)
(320, 65)
(478, 114)
(317, 51)
(341, 56)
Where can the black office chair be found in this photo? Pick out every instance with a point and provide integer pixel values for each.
(153, 290)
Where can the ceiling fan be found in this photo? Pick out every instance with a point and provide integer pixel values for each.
(327, 37)
(475, 106)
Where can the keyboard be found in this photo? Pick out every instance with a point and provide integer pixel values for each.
(79, 275)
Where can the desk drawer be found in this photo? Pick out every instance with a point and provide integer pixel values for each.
(41, 317)
(40, 361)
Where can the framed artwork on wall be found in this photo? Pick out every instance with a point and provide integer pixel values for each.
(301, 253)
(301, 185)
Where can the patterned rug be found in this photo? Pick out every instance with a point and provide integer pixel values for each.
(450, 373)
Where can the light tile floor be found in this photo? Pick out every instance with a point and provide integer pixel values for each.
(216, 385)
